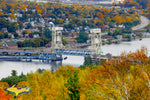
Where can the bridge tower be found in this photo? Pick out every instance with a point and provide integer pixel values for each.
(96, 42)
(56, 38)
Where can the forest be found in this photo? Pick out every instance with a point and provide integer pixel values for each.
(144, 5)
(124, 78)
(17, 17)
(69, 16)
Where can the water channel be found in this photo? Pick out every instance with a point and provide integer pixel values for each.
(26, 67)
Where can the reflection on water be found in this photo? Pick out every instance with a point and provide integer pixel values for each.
(26, 67)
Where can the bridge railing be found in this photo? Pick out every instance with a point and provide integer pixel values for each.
(74, 52)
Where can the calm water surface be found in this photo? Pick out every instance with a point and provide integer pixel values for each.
(117, 49)
(76, 61)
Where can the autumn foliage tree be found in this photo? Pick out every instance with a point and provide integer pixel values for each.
(122, 78)
(4, 96)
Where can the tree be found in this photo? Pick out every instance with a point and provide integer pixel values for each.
(1, 35)
(13, 27)
(47, 33)
(24, 32)
(11, 80)
(1, 13)
(110, 33)
(4, 23)
(20, 24)
(31, 35)
(140, 36)
(83, 37)
(87, 61)
(128, 36)
(12, 16)
(14, 73)
(4, 96)
(28, 26)
(73, 86)
(100, 15)
(64, 41)
(16, 35)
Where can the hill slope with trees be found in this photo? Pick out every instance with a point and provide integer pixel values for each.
(123, 78)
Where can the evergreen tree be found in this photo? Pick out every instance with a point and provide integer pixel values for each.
(73, 86)
(14, 73)
(87, 61)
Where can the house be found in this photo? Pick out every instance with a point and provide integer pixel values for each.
(108, 37)
(10, 35)
(119, 37)
(74, 34)
(106, 26)
(36, 36)
(121, 26)
(4, 30)
(102, 27)
(10, 45)
(18, 14)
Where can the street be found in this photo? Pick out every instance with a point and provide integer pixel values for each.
(144, 22)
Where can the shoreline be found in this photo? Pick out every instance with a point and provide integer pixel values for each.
(121, 41)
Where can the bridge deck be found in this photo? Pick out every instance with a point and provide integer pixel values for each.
(75, 52)
(20, 55)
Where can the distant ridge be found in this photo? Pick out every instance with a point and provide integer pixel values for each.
(79, 1)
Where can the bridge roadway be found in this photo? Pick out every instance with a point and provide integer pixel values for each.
(42, 56)
(29, 56)
(73, 52)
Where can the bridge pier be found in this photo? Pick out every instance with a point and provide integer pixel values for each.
(96, 44)
(56, 38)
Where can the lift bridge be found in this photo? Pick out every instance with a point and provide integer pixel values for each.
(57, 49)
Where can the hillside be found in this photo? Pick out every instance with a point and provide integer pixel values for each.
(123, 78)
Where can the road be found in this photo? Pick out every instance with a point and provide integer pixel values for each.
(144, 22)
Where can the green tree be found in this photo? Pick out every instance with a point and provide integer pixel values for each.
(16, 35)
(128, 36)
(14, 73)
(31, 35)
(87, 61)
(13, 27)
(28, 26)
(24, 33)
(14, 79)
(1, 35)
(64, 41)
(83, 37)
(20, 24)
(73, 86)
(47, 33)
(41, 70)
(140, 36)
(6, 35)
(4, 23)
(110, 33)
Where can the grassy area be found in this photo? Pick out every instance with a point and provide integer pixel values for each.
(1, 44)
